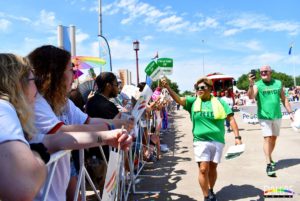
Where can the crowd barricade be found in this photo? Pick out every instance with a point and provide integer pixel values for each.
(127, 182)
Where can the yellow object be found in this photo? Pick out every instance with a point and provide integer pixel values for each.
(218, 109)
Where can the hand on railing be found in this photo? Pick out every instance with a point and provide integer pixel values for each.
(118, 136)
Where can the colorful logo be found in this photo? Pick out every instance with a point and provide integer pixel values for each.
(278, 192)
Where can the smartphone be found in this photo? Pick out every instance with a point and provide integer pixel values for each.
(253, 73)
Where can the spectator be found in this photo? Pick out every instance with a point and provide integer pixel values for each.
(208, 114)
(20, 167)
(54, 112)
(268, 93)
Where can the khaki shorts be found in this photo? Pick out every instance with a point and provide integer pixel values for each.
(208, 151)
(270, 127)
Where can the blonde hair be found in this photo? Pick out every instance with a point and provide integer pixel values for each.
(14, 73)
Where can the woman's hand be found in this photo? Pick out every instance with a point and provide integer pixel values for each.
(118, 136)
(164, 82)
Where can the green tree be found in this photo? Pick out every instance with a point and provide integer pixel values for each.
(187, 93)
(287, 80)
(173, 85)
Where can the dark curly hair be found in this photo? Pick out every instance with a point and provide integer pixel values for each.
(49, 63)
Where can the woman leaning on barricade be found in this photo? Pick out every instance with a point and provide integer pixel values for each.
(19, 166)
(23, 172)
(55, 113)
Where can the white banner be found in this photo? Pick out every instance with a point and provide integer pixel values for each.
(249, 113)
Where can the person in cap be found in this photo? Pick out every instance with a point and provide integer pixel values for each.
(208, 114)
(268, 93)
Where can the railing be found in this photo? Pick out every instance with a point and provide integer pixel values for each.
(125, 184)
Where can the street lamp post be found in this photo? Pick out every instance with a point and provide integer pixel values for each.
(136, 48)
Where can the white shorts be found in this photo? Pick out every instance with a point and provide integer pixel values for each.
(270, 127)
(208, 151)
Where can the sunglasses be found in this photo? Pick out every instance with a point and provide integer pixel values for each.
(198, 88)
(264, 72)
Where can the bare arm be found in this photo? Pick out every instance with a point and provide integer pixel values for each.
(235, 128)
(286, 104)
(252, 91)
(86, 136)
(176, 97)
(22, 174)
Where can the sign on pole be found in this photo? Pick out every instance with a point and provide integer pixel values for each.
(164, 66)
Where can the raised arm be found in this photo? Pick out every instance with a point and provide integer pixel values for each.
(176, 97)
(252, 91)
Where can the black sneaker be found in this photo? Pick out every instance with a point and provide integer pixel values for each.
(212, 195)
(273, 164)
(271, 170)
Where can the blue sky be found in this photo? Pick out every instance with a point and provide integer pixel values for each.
(231, 36)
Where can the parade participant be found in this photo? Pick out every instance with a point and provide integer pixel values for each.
(55, 113)
(268, 93)
(229, 100)
(207, 114)
(17, 97)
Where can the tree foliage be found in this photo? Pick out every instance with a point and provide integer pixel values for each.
(287, 80)
(187, 93)
(173, 85)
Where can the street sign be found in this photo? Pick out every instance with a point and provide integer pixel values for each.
(164, 66)
(165, 62)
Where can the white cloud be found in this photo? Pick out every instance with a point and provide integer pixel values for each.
(252, 45)
(46, 19)
(81, 36)
(247, 21)
(231, 32)
(209, 22)
(4, 25)
(148, 37)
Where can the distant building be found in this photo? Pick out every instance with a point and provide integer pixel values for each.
(125, 76)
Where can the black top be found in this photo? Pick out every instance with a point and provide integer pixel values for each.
(99, 106)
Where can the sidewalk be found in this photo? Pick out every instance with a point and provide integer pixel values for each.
(243, 178)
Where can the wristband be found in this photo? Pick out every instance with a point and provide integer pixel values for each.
(41, 150)
(112, 127)
(238, 137)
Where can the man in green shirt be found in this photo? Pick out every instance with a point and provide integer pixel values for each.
(268, 93)
(208, 114)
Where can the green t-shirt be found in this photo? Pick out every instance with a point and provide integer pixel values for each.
(205, 127)
(268, 99)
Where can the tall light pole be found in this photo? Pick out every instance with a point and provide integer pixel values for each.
(203, 59)
(136, 48)
(101, 36)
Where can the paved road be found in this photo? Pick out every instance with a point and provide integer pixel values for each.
(243, 178)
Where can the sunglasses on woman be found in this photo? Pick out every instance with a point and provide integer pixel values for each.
(198, 88)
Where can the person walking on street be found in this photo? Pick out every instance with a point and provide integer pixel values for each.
(208, 114)
(229, 100)
(268, 93)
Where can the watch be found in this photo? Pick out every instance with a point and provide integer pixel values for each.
(238, 137)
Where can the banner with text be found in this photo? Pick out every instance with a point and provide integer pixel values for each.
(249, 113)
